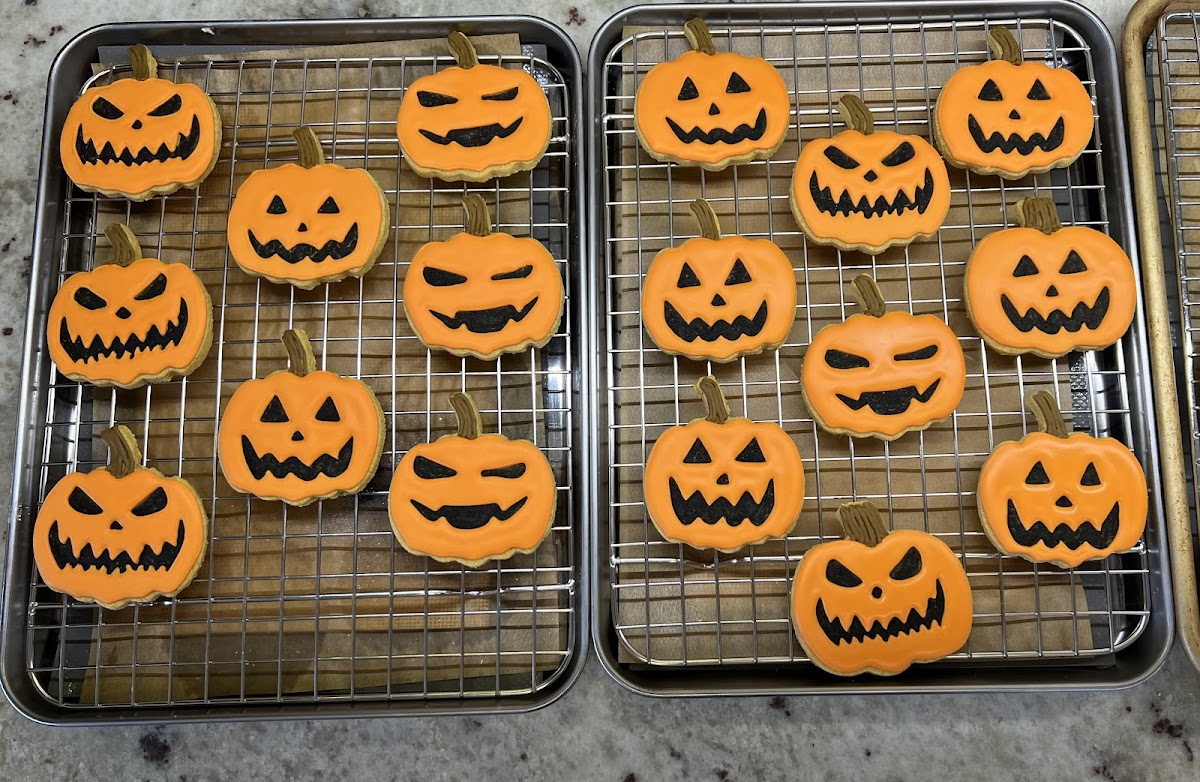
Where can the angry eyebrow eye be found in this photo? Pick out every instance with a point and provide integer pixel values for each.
(167, 107)
(840, 359)
(80, 502)
(515, 274)
(918, 355)
(509, 94)
(429, 469)
(433, 99)
(106, 109)
(440, 278)
(839, 574)
(899, 155)
(156, 288)
(908, 566)
(840, 158)
(510, 471)
(154, 502)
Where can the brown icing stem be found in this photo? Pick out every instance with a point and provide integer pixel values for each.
(124, 456)
(861, 522)
(124, 243)
(1004, 45)
(479, 219)
(144, 64)
(301, 361)
(1039, 213)
(855, 114)
(867, 292)
(710, 226)
(470, 423)
(311, 154)
(1049, 418)
(463, 50)
(698, 36)
(716, 407)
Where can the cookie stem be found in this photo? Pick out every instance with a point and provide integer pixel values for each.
(855, 114)
(479, 219)
(144, 64)
(311, 153)
(698, 36)
(1039, 213)
(1004, 45)
(716, 407)
(866, 290)
(470, 424)
(124, 456)
(301, 361)
(1049, 418)
(861, 522)
(710, 226)
(463, 50)
(124, 243)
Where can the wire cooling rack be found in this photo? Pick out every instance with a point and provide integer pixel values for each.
(667, 606)
(319, 606)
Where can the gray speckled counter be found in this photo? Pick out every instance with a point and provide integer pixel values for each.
(598, 730)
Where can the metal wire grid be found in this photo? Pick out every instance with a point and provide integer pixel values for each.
(674, 606)
(337, 600)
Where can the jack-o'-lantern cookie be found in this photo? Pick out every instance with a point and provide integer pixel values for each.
(879, 601)
(881, 374)
(483, 293)
(867, 189)
(309, 222)
(1059, 496)
(1011, 117)
(120, 534)
(711, 109)
(721, 482)
(300, 434)
(1048, 290)
(130, 322)
(509, 485)
(717, 298)
(473, 122)
(140, 137)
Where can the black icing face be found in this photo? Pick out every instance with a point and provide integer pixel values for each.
(280, 433)
(482, 321)
(122, 132)
(894, 401)
(468, 517)
(1055, 307)
(1022, 124)
(1069, 534)
(871, 181)
(313, 236)
(690, 101)
(745, 508)
(140, 547)
(729, 313)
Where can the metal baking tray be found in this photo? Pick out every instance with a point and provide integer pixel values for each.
(673, 621)
(1162, 81)
(437, 639)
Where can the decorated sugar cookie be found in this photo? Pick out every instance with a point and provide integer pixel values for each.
(310, 222)
(301, 434)
(483, 293)
(711, 109)
(721, 482)
(140, 137)
(1049, 290)
(1061, 497)
(879, 601)
(1011, 117)
(867, 189)
(130, 322)
(473, 122)
(881, 374)
(719, 298)
(120, 534)
(471, 497)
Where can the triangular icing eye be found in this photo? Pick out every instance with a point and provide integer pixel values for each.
(840, 158)
(752, 453)
(1037, 475)
(736, 84)
(698, 454)
(106, 109)
(908, 566)
(687, 278)
(1073, 265)
(739, 274)
(1025, 267)
(276, 207)
(1090, 476)
(1038, 91)
(274, 414)
(839, 574)
(155, 502)
(156, 288)
(990, 91)
(900, 155)
(329, 207)
(80, 502)
(688, 91)
(167, 107)
(429, 469)
(328, 411)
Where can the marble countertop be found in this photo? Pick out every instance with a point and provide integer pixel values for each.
(598, 730)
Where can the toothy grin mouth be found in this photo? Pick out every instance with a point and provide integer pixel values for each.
(470, 516)
(697, 328)
(326, 464)
(474, 137)
(148, 559)
(892, 402)
(300, 252)
(689, 509)
(1084, 534)
(834, 630)
(1080, 317)
(742, 132)
(485, 321)
(1015, 142)
(184, 147)
(76, 350)
(846, 206)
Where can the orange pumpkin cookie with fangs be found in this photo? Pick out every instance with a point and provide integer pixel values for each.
(1062, 497)
(121, 534)
(714, 298)
(310, 222)
(509, 483)
(1011, 117)
(140, 137)
(879, 601)
(473, 122)
(711, 109)
(483, 293)
(131, 322)
(1049, 290)
(867, 189)
(721, 482)
(301, 434)
(881, 374)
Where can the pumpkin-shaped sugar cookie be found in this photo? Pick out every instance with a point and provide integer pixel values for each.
(142, 136)
(878, 601)
(717, 298)
(300, 434)
(867, 189)
(1061, 497)
(473, 122)
(483, 293)
(309, 222)
(471, 497)
(1011, 117)
(120, 534)
(881, 374)
(1048, 290)
(130, 322)
(711, 109)
(721, 482)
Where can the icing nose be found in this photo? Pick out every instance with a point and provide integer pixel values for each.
(1064, 502)
(123, 313)
(718, 301)
(137, 124)
(870, 176)
(1052, 291)
(876, 593)
(303, 228)
(712, 109)
(723, 480)
(1014, 114)
(297, 436)
(116, 525)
